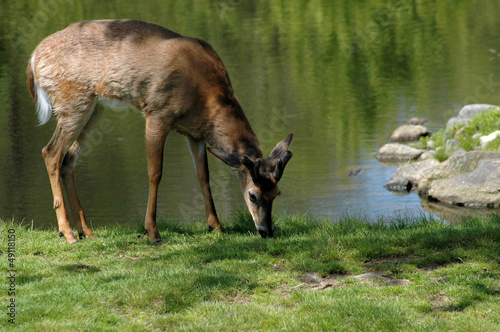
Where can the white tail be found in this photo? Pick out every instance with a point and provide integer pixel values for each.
(43, 106)
(179, 83)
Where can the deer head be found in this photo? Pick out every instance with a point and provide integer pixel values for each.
(259, 181)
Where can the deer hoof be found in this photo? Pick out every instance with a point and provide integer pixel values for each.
(61, 234)
(210, 228)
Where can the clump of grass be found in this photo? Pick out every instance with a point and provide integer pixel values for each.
(467, 135)
(197, 280)
(484, 124)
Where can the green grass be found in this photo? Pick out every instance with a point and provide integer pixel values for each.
(237, 281)
(482, 124)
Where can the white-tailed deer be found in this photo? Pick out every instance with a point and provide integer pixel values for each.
(179, 83)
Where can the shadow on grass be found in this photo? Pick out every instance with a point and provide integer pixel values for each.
(79, 268)
(204, 285)
(419, 240)
(240, 222)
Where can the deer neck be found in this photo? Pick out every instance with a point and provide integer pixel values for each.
(233, 134)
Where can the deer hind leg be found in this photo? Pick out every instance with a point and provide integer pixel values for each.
(199, 154)
(68, 127)
(156, 135)
(68, 173)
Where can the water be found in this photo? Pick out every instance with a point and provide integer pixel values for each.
(341, 75)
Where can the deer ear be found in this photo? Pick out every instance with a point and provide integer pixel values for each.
(227, 158)
(280, 167)
(281, 147)
(253, 167)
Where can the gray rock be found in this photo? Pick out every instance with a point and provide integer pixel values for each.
(415, 172)
(398, 183)
(468, 112)
(478, 188)
(458, 152)
(429, 154)
(409, 133)
(459, 164)
(452, 145)
(396, 151)
(417, 121)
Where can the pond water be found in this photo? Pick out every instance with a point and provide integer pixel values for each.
(341, 75)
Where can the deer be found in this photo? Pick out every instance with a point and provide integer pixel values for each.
(178, 83)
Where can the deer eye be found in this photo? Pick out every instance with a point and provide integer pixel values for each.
(252, 197)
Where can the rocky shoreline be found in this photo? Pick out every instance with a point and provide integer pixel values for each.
(465, 178)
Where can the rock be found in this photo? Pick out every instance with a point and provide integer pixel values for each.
(415, 172)
(417, 121)
(468, 112)
(478, 188)
(470, 179)
(452, 145)
(354, 172)
(409, 133)
(398, 183)
(459, 164)
(430, 154)
(458, 152)
(484, 140)
(396, 151)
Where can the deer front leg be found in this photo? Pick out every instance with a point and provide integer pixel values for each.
(68, 177)
(68, 174)
(156, 135)
(199, 154)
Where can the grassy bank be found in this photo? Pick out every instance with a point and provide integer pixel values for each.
(426, 276)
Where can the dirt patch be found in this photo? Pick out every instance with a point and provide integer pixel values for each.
(240, 299)
(315, 282)
(441, 302)
(373, 277)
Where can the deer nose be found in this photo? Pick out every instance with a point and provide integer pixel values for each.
(266, 233)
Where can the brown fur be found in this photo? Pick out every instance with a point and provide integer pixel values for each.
(179, 83)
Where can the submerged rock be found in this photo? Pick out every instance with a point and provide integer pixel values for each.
(397, 152)
(354, 172)
(408, 133)
(398, 183)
